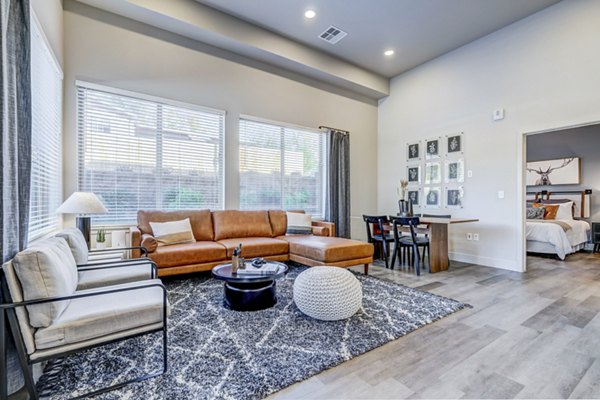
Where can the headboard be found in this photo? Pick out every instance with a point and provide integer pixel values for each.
(581, 200)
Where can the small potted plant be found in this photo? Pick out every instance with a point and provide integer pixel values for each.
(101, 239)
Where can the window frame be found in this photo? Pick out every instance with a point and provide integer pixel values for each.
(283, 126)
(157, 100)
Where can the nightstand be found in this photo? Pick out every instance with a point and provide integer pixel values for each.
(596, 236)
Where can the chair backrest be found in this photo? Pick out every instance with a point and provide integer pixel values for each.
(12, 292)
(374, 225)
(77, 244)
(436, 216)
(411, 222)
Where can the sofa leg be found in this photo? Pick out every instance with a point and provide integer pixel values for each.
(366, 269)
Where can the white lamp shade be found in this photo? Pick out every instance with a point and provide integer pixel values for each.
(82, 203)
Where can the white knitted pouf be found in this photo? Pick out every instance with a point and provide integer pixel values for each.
(327, 293)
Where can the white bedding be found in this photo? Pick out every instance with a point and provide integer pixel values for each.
(563, 242)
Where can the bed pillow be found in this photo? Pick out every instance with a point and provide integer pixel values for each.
(172, 232)
(565, 211)
(536, 213)
(551, 210)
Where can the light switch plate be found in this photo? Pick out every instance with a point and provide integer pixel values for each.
(500, 194)
(498, 114)
(469, 174)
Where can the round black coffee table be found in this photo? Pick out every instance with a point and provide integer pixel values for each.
(249, 292)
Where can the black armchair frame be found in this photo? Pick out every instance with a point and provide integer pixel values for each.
(7, 311)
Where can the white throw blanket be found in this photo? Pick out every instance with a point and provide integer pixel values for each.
(554, 234)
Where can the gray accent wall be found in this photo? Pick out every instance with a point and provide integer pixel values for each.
(583, 142)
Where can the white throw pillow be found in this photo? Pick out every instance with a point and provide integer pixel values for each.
(172, 232)
(46, 269)
(77, 243)
(299, 224)
(565, 211)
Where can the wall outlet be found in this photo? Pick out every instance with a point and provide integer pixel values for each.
(476, 236)
(469, 236)
(498, 114)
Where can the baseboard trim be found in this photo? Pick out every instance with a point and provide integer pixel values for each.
(499, 263)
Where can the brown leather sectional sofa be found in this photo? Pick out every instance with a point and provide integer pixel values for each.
(261, 233)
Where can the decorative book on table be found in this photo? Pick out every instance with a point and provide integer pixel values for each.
(252, 270)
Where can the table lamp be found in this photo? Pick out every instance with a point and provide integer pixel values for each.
(83, 204)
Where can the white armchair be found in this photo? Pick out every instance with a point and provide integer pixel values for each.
(50, 315)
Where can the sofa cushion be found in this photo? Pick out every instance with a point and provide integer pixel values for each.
(100, 277)
(173, 232)
(77, 244)
(278, 219)
(188, 253)
(46, 269)
(256, 246)
(200, 219)
(230, 224)
(96, 316)
(327, 249)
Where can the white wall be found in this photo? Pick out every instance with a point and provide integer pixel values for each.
(543, 70)
(113, 51)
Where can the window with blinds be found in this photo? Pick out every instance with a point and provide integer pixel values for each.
(140, 152)
(281, 167)
(46, 140)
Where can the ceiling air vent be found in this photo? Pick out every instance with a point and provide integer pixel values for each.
(333, 35)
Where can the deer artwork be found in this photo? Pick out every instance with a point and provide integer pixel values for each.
(544, 178)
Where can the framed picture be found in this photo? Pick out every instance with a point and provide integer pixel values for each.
(432, 149)
(455, 171)
(454, 144)
(454, 197)
(433, 173)
(414, 195)
(432, 197)
(564, 171)
(413, 151)
(413, 174)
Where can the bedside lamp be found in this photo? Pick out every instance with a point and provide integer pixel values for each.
(83, 204)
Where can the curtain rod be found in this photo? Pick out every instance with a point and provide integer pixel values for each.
(335, 129)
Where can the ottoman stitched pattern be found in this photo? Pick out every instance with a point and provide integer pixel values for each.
(327, 293)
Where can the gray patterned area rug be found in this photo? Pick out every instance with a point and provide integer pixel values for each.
(215, 353)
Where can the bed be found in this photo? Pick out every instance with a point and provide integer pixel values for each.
(565, 235)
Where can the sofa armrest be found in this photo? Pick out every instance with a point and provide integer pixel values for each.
(149, 242)
(328, 228)
(136, 241)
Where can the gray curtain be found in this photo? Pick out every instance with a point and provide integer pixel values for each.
(15, 142)
(338, 197)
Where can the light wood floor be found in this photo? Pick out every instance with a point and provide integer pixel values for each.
(532, 335)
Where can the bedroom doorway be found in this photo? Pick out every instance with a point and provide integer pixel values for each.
(559, 183)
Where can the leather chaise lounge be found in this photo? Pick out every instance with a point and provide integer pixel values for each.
(261, 233)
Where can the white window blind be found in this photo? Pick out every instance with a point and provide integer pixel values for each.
(140, 152)
(281, 167)
(46, 140)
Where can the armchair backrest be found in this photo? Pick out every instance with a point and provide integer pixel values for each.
(46, 269)
(77, 244)
(12, 292)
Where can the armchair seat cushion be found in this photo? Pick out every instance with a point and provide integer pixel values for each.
(94, 278)
(188, 253)
(328, 249)
(256, 246)
(96, 316)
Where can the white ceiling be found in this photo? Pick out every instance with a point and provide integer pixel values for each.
(418, 30)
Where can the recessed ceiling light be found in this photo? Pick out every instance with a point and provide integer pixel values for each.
(389, 52)
(310, 14)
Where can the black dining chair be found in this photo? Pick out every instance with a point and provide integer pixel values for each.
(413, 241)
(377, 234)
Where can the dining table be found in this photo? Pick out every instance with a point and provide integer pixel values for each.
(437, 230)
